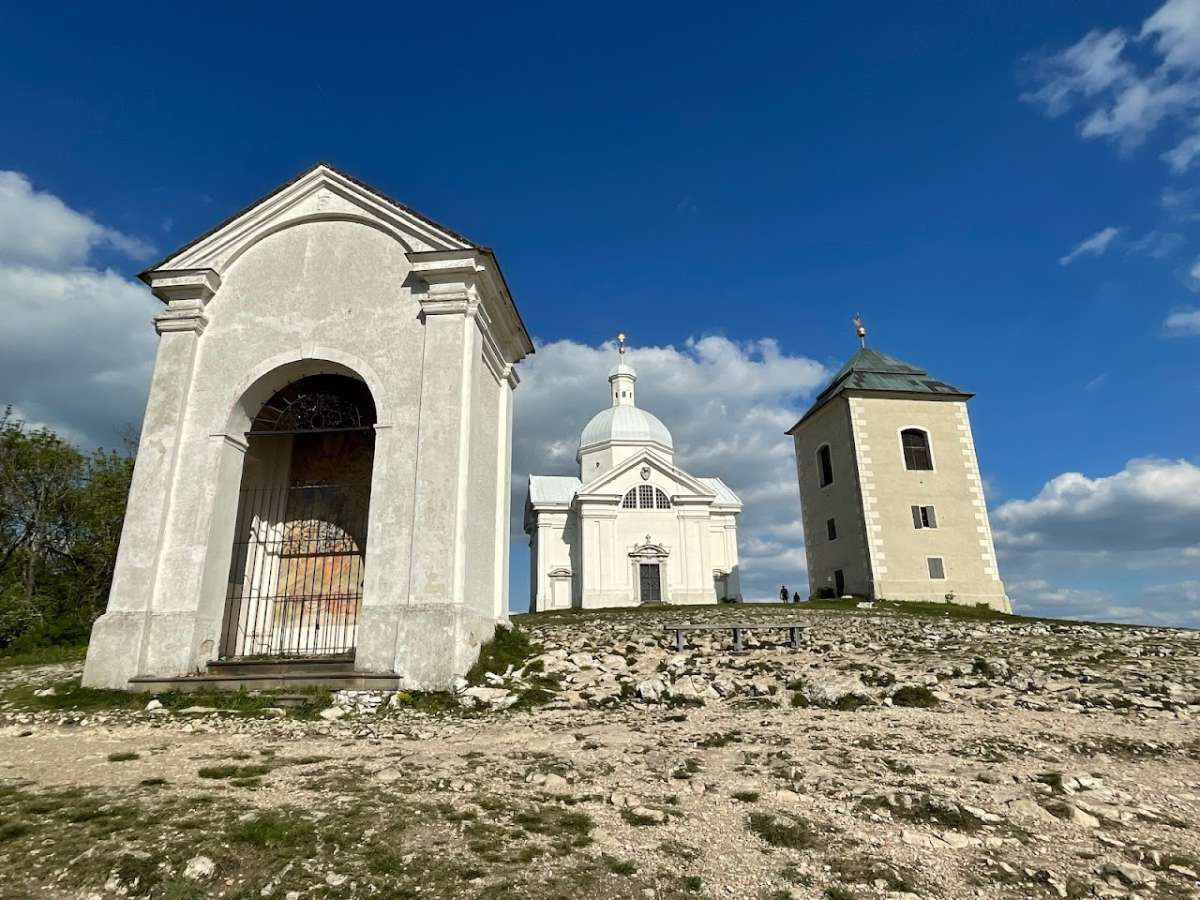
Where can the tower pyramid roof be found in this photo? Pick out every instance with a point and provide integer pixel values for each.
(873, 371)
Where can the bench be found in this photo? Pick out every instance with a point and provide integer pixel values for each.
(792, 627)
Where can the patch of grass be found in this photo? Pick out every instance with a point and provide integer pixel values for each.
(12, 830)
(693, 884)
(794, 875)
(124, 756)
(915, 695)
(799, 701)
(679, 850)
(70, 696)
(868, 870)
(719, 739)
(231, 771)
(275, 830)
(619, 866)
(927, 809)
(508, 647)
(746, 796)
(153, 782)
(780, 830)
(837, 892)
(43, 656)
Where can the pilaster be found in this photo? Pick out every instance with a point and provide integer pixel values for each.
(112, 657)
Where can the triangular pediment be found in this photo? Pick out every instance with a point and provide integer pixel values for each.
(320, 192)
(691, 486)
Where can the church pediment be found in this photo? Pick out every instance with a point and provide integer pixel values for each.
(650, 467)
(319, 193)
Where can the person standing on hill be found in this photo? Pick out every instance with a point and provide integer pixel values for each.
(783, 594)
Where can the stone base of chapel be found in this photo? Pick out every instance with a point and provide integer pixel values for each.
(173, 650)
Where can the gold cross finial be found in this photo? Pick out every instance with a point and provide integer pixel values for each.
(621, 343)
(860, 329)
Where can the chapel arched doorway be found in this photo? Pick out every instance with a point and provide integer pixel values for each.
(299, 548)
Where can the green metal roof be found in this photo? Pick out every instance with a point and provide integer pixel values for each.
(870, 370)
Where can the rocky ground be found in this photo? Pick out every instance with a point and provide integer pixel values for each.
(895, 753)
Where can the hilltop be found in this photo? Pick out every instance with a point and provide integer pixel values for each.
(899, 751)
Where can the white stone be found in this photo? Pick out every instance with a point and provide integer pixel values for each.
(199, 868)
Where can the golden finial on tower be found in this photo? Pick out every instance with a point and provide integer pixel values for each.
(860, 329)
(621, 343)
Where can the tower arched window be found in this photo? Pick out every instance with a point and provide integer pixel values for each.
(630, 501)
(645, 496)
(917, 455)
(661, 500)
(824, 466)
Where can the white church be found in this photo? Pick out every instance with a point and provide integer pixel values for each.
(632, 528)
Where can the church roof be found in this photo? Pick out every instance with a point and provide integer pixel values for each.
(624, 423)
(871, 370)
(725, 494)
(545, 489)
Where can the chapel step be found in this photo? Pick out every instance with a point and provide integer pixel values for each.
(269, 681)
(338, 664)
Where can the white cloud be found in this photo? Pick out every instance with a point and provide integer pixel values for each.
(76, 346)
(1121, 101)
(1096, 245)
(1183, 322)
(37, 229)
(1151, 504)
(727, 405)
(1156, 244)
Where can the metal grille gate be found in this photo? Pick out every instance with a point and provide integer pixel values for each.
(296, 576)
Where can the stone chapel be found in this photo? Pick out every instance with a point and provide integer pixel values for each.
(321, 492)
(891, 498)
(632, 528)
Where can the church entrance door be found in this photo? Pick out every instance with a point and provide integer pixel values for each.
(650, 583)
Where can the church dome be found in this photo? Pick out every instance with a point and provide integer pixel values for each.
(622, 368)
(624, 423)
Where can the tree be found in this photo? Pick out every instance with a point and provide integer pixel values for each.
(60, 523)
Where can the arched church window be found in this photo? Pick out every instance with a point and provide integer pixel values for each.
(917, 456)
(630, 501)
(645, 496)
(661, 500)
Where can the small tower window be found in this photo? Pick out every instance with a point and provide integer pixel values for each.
(917, 456)
(924, 517)
(831, 528)
(937, 568)
(825, 466)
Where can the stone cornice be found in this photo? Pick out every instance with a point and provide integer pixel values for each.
(171, 285)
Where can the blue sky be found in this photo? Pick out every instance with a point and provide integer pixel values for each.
(706, 178)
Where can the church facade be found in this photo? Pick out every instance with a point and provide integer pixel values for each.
(323, 471)
(891, 497)
(632, 528)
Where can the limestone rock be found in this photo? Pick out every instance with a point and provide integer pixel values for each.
(199, 868)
